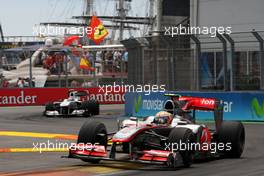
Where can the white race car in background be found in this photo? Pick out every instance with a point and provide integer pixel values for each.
(72, 106)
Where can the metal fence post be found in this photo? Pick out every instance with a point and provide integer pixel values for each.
(155, 61)
(173, 68)
(232, 48)
(142, 65)
(1, 61)
(30, 72)
(59, 74)
(221, 38)
(197, 65)
(261, 57)
(139, 63)
(121, 69)
(169, 67)
(66, 72)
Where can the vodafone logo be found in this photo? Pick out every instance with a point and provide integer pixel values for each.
(207, 102)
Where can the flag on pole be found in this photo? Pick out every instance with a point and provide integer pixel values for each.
(70, 40)
(86, 65)
(99, 32)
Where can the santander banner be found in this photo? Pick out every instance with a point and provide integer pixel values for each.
(41, 96)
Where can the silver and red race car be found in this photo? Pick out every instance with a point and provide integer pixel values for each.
(171, 137)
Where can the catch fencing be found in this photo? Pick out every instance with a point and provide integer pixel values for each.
(198, 62)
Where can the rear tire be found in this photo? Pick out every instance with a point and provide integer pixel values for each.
(233, 133)
(91, 107)
(89, 133)
(184, 136)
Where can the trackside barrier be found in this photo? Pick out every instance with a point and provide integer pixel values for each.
(41, 96)
(246, 106)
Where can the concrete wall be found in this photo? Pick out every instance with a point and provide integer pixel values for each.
(241, 15)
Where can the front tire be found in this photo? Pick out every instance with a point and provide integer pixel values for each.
(49, 107)
(92, 133)
(184, 136)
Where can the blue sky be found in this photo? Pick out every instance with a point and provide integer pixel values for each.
(18, 17)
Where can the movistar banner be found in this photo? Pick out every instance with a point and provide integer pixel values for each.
(247, 106)
(142, 104)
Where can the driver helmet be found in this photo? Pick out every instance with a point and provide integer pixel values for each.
(163, 117)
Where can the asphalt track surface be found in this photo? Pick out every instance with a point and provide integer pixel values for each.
(15, 120)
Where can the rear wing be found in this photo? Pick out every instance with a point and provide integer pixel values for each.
(196, 103)
(200, 103)
(77, 93)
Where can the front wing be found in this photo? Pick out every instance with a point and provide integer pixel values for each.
(97, 152)
(64, 112)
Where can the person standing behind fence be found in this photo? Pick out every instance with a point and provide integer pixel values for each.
(91, 60)
(74, 84)
(59, 60)
(5, 83)
(109, 61)
(20, 82)
(86, 57)
(118, 60)
(26, 82)
(1, 80)
(98, 57)
(125, 61)
(98, 61)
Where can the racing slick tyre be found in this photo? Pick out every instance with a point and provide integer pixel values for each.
(233, 133)
(91, 107)
(49, 107)
(91, 133)
(183, 136)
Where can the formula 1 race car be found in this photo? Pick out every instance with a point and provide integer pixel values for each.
(171, 137)
(72, 106)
